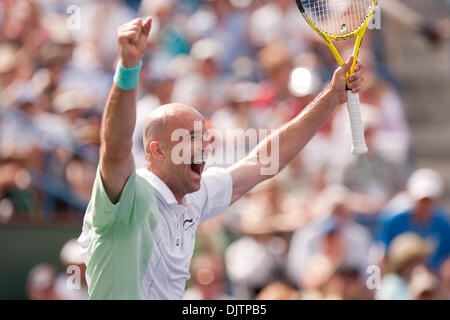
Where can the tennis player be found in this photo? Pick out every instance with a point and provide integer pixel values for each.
(139, 228)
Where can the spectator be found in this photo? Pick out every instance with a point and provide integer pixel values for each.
(252, 262)
(424, 285)
(445, 276)
(314, 277)
(406, 252)
(41, 283)
(208, 278)
(15, 192)
(333, 234)
(8, 65)
(347, 283)
(393, 135)
(71, 283)
(269, 210)
(196, 87)
(278, 291)
(374, 177)
(425, 187)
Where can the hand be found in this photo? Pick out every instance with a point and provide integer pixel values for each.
(133, 37)
(339, 86)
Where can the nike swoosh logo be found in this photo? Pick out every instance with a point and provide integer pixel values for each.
(187, 221)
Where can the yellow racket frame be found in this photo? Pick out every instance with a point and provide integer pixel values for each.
(358, 32)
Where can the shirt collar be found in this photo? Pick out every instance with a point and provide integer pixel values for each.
(159, 186)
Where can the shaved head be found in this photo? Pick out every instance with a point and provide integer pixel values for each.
(164, 147)
(164, 119)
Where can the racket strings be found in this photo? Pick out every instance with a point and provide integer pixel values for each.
(338, 17)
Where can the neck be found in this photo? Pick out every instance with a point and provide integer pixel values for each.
(421, 216)
(178, 195)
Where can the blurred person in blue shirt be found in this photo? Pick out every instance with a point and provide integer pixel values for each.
(424, 218)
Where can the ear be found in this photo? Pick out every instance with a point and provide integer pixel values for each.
(156, 150)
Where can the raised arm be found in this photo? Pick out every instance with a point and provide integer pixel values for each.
(294, 135)
(119, 117)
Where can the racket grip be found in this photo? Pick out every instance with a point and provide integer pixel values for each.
(356, 124)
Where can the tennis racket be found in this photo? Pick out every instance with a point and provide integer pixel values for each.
(340, 20)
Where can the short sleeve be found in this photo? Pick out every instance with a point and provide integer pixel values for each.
(385, 232)
(218, 185)
(101, 210)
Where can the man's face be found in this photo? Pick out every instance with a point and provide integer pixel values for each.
(424, 208)
(193, 147)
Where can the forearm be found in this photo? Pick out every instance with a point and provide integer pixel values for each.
(278, 149)
(119, 117)
(119, 120)
(274, 152)
(116, 159)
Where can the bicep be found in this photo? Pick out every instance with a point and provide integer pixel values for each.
(214, 196)
(245, 174)
(114, 174)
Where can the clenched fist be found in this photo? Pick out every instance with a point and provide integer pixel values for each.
(339, 85)
(133, 37)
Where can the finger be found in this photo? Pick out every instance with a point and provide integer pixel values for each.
(146, 27)
(128, 36)
(358, 66)
(356, 90)
(137, 21)
(355, 76)
(136, 36)
(346, 67)
(131, 27)
(129, 33)
(355, 84)
(136, 26)
(134, 23)
(132, 33)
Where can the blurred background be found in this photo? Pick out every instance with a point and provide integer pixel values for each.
(330, 226)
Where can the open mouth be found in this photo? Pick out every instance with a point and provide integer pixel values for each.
(197, 168)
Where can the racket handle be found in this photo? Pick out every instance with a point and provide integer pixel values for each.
(356, 124)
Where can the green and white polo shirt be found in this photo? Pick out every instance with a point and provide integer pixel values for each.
(141, 247)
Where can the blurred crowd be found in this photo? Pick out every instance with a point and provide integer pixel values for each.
(330, 226)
